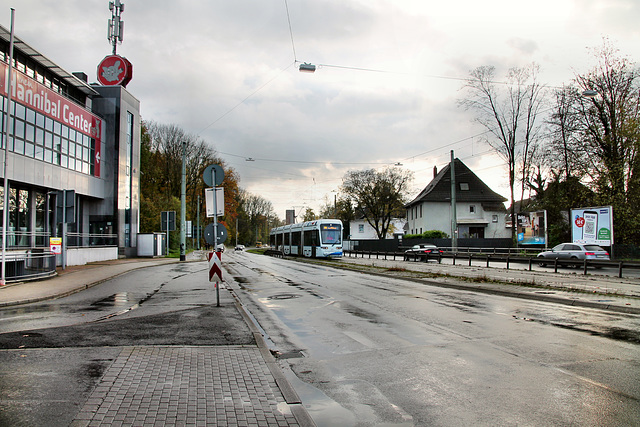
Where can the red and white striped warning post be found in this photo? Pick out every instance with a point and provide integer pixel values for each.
(215, 266)
(215, 271)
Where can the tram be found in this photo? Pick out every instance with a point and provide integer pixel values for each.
(321, 238)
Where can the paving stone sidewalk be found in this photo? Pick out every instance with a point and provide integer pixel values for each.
(188, 386)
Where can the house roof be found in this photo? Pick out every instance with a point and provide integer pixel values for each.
(469, 188)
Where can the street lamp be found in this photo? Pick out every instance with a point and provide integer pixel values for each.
(305, 67)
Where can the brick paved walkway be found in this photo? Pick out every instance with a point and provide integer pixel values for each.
(188, 386)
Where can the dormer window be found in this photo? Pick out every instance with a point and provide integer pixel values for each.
(464, 186)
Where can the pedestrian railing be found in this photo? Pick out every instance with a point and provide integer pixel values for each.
(29, 265)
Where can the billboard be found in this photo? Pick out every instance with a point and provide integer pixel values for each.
(592, 225)
(532, 228)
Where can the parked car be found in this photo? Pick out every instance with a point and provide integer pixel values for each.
(573, 251)
(424, 248)
(240, 248)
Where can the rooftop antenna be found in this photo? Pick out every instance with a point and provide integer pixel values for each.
(116, 25)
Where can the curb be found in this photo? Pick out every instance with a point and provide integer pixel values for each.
(288, 392)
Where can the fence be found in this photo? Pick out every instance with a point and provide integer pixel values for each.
(488, 258)
(29, 265)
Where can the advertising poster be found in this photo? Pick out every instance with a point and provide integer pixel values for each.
(592, 225)
(532, 228)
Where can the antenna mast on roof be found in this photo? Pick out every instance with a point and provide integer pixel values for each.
(116, 25)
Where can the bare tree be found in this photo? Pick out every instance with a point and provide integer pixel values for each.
(379, 196)
(610, 135)
(509, 111)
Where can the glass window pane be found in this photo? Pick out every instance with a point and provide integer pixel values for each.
(39, 152)
(19, 129)
(49, 124)
(18, 146)
(48, 156)
(29, 149)
(39, 120)
(31, 116)
(64, 161)
(72, 149)
(30, 133)
(20, 111)
(48, 140)
(39, 136)
(57, 128)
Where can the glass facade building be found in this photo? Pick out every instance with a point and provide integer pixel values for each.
(67, 134)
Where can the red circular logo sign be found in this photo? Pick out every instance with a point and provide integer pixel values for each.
(580, 221)
(115, 70)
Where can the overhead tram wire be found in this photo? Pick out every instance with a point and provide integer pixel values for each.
(246, 98)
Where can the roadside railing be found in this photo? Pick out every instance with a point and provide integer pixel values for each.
(29, 265)
(488, 258)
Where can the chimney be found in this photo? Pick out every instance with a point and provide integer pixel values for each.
(435, 171)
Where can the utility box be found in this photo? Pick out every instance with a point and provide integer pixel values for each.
(151, 244)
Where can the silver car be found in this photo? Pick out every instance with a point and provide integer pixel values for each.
(574, 252)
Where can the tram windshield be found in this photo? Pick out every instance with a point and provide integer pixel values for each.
(331, 234)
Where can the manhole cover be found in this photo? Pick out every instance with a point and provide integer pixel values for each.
(284, 296)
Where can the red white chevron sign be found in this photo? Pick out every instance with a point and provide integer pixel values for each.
(215, 266)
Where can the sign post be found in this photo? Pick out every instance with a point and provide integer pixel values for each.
(213, 176)
(215, 271)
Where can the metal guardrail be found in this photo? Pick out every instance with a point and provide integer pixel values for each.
(29, 265)
(508, 259)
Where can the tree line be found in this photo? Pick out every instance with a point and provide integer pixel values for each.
(247, 216)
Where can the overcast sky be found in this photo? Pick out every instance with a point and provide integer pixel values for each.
(389, 75)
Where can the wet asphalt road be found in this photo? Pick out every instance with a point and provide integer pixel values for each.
(360, 349)
(376, 351)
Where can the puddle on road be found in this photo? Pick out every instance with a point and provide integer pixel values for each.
(116, 300)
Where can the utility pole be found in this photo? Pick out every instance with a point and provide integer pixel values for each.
(454, 219)
(5, 195)
(183, 201)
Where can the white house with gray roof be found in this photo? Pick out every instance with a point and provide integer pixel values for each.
(480, 211)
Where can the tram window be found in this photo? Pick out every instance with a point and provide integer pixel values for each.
(331, 234)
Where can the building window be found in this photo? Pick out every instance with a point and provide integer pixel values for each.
(464, 186)
(472, 209)
(494, 218)
(360, 228)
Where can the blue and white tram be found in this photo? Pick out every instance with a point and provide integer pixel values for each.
(321, 238)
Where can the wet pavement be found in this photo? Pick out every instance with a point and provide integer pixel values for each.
(239, 382)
